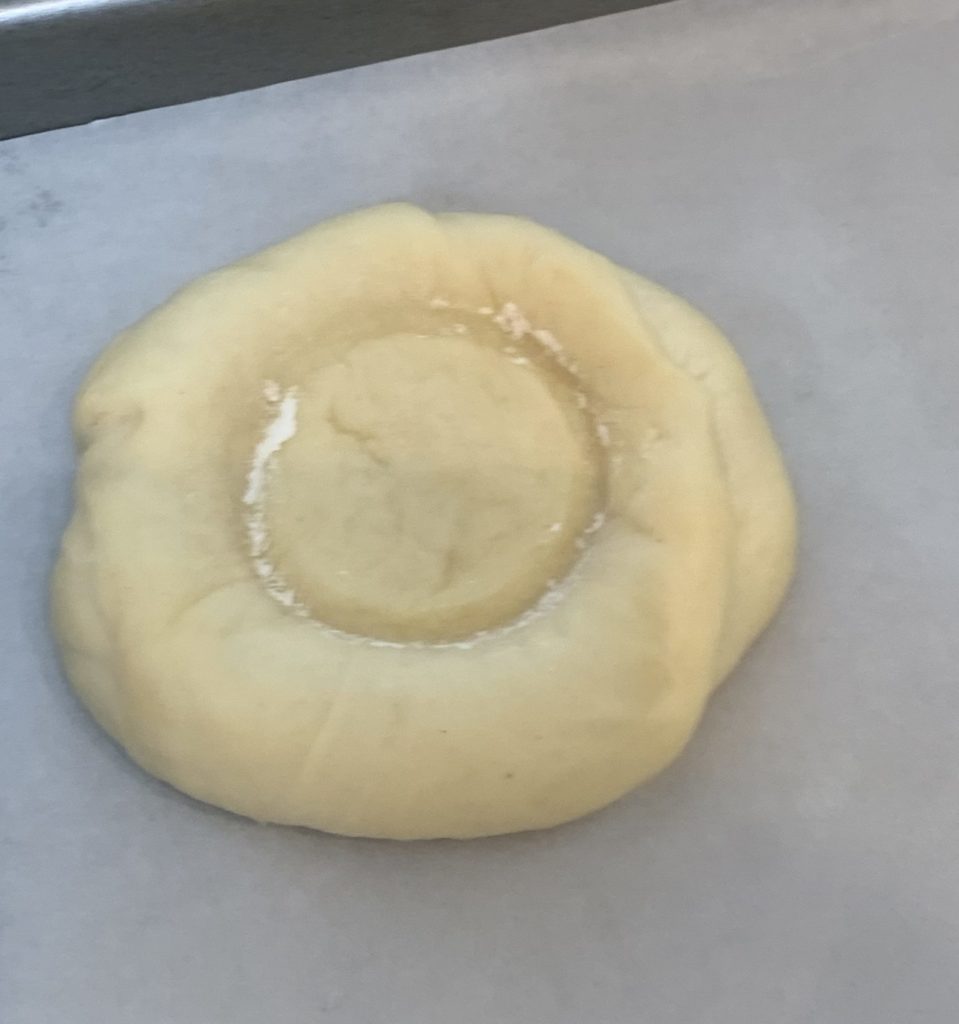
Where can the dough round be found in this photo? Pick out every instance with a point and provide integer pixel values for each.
(417, 526)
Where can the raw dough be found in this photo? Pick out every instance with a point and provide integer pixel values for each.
(417, 526)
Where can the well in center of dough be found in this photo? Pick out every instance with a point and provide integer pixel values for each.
(435, 487)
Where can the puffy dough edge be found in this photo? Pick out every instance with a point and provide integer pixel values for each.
(761, 497)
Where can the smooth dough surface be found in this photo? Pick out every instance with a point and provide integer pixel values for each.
(417, 526)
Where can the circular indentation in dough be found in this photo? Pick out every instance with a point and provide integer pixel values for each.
(417, 526)
(434, 488)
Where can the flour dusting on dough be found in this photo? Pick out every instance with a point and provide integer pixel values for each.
(278, 431)
(512, 321)
(596, 523)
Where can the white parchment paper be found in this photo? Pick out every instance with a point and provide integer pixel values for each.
(791, 167)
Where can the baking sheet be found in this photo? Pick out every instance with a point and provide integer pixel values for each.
(793, 169)
(66, 62)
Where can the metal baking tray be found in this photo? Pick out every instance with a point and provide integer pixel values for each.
(65, 62)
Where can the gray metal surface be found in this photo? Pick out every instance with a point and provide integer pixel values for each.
(66, 62)
(799, 864)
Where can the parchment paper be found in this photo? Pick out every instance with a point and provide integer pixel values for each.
(791, 167)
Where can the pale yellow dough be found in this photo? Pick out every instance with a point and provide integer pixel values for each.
(417, 526)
